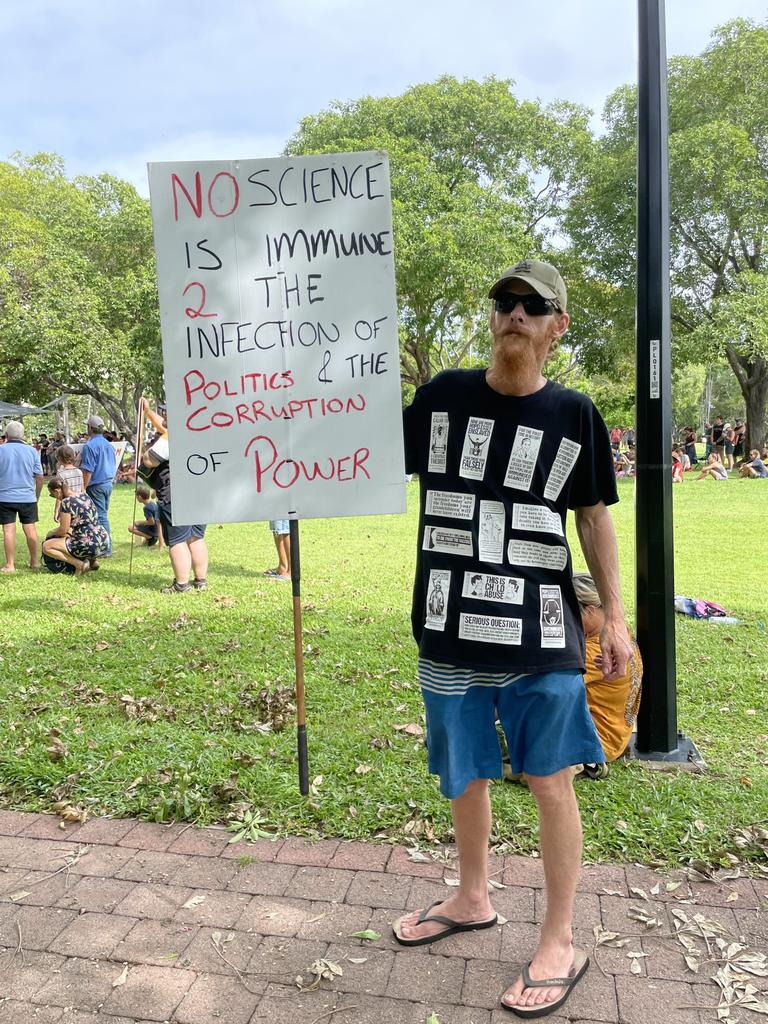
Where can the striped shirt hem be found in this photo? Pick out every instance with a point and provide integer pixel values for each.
(455, 680)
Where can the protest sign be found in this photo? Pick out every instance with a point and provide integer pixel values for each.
(280, 340)
(118, 446)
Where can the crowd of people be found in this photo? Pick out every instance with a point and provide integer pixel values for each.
(724, 452)
(80, 484)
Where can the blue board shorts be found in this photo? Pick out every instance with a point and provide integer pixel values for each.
(545, 719)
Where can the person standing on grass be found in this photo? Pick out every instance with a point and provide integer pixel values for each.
(97, 461)
(718, 441)
(21, 480)
(186, 544)
(689, 440)
(513, 652)
(281, 534)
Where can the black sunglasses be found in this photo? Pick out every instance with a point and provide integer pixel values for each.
(534, 305)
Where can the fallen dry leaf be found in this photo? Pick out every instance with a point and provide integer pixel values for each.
(194, 901)
(121, 978)
(410, 729)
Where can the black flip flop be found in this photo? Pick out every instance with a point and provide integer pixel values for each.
(576, 973)
(451, 927)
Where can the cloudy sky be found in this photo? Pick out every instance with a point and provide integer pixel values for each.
(112, 85)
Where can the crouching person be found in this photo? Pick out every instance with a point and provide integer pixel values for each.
(80, 539)
(613, 703)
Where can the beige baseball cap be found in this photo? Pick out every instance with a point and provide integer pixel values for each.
(542, 277)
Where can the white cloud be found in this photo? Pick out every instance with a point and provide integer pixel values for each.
(193, 146)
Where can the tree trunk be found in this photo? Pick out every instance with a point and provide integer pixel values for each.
(756, 398)
(752, 375)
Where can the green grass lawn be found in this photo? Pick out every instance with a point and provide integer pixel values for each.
(121, 700)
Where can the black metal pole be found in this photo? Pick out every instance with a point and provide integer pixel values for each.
(657, 719)
(298, 650)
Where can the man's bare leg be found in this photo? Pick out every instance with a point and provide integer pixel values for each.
(283, 545)
(560, 841)
(472, 826)
(198, 553)
(181, 562)
(9, 543)
(30, 534)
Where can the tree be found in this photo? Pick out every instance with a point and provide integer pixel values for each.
(718, 152)
(78, 303)
(478, 178)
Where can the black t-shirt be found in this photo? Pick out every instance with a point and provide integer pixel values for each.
(497, 475)
(717, 433)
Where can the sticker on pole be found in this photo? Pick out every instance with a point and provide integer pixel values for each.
(655, 376)
(276, 281)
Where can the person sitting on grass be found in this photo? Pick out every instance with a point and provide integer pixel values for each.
(613, 705)
(754, 468)
(714, 469)
(677, 467)
(80, 539)
(149, 527)
(621, 463)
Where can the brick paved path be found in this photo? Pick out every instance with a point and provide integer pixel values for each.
(145, 902)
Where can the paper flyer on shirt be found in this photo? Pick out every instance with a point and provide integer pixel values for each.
(450, 504)
(452, 542)
(565, 460)
(536, 519)
(474, 454)
(488, 587)
(522, 460)
(438, 442)
(545, 556)
(490, 629)
(491, 531)
(437, 599)
(551, 616)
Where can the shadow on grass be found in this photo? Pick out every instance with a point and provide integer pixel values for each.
(34, 604)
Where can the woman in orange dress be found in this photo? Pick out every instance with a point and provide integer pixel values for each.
(613, 705)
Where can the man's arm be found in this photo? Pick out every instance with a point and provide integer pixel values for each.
(39, 481)
(154, 418)
(86, 477)
(598, 542)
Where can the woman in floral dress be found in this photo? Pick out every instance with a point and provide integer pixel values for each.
(80, 538)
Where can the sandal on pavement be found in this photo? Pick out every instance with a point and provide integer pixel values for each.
(451, 927)
(576, 973)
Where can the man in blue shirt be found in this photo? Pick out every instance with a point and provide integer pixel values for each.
(97, 461)
(21, 480)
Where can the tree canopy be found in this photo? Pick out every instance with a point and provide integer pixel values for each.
(478, 180)
(78, 304)
(718, 156)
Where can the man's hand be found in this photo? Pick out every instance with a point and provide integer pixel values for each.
(616, 649)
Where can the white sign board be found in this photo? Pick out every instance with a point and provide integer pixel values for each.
(280, 340)
(119, 447)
